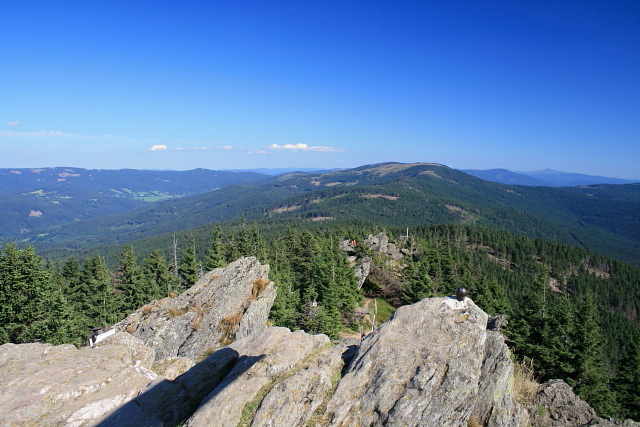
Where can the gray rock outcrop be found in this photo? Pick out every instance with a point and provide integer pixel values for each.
(380, 244)
(362, 271)
(44, 385)
(226, 304)
(421, 368)
(434, 363)
(561, 406)
(294, 401)
(556, 405)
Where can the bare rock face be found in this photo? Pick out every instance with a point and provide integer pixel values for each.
(495, 404)
(263, 358)
(421, 368)
(226, 304)
(362, 271)
(172, 367)
(43, 385)
(294, 401)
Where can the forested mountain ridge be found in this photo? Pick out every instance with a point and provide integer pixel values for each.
(602, 218)
(34, 200)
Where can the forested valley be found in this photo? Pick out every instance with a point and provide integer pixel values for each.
(571, 313)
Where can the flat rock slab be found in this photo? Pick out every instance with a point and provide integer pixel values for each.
(43, 385)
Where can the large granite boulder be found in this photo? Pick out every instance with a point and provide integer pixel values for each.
(421, 368)
(226, 304)
(381, 245)
(556, 405)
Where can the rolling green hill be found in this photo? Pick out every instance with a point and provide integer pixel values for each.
(599, 218)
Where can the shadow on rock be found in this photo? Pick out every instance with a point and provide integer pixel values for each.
(169, 403)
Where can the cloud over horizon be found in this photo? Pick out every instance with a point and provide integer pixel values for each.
(303, 147)
(159, 147)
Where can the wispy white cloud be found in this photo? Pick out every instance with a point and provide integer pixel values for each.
(14, 123)
(49, 133)
(203, 148)
(35, 133)
(159, 147)
(303, 147)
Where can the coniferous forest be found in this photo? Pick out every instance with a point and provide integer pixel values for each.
(572, 313)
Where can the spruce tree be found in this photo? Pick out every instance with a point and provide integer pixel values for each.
(557, 352)
(32, 308)
(420, 285)
(591, 376)
(285, 310)
(130, 283)
(157, 274)
(216, 256)
(628, 383)
(100, 302)
(188, 267)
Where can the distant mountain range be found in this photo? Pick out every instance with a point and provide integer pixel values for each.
(544, 178)
(603, 218)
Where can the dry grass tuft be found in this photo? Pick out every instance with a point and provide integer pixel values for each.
(524, 382)
(208, 352)
(197, 324)
(473, 421)
(258, 287)
(146, 309)
(231, 321)
(172, 295)
(228, 326)
(175, 312)
(199, 314)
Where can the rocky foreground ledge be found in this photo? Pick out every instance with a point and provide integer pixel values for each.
(207, 358)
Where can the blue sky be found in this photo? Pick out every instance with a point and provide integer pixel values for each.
(522, 85)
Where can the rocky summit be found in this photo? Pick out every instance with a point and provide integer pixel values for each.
(208, 358)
